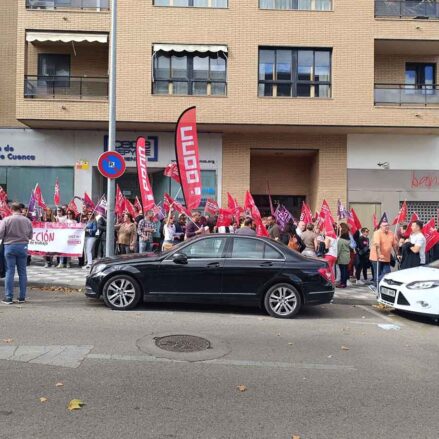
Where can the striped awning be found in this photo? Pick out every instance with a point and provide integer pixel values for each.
(66, 37)
(203, 48)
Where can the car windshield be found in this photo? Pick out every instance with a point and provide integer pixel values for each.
(434, 264)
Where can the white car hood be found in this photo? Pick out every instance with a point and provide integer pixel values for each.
(414, 274)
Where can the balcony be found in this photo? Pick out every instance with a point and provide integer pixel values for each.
(65, 87)
(419, 95)
(86, 5)
(416, 9)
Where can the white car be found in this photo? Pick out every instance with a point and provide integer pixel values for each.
(414, 290)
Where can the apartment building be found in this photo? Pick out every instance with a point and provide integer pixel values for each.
(317, 99)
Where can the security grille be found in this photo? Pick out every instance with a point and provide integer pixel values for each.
(425, 209)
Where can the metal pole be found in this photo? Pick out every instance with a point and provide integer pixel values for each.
(111, 184)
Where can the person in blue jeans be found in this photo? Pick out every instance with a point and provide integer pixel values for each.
(15, 233)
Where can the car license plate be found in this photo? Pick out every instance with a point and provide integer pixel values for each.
(388, 291)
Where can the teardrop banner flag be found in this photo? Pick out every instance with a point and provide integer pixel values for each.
(188, 161)
(142, 171)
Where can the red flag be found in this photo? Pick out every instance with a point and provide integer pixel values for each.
(4, 209)
(408, 232)
(39, 197)
(72, 206)
(120, 202)
(188, 161)
(172, 171)
(375, 221)
(431, 235)
(225, 218)
(142, 171)
(175, 205)
(325, 211)
(3, 194)
(306, 214)
(328, 227)
(402, 215)
(232, 204)
(57, 194)
(138, 205)
(88, 202)
(211, 206)
(352, 225)
(356, 219)
(129, 208)
(249, 202)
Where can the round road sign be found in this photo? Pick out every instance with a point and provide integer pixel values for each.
(111, 164)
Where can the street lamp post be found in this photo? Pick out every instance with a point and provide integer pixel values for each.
(111, 184)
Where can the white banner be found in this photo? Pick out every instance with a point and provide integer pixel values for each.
(57, 239)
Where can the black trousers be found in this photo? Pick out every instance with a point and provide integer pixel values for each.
(362, 266)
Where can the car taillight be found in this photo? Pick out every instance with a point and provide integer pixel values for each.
(325, 273)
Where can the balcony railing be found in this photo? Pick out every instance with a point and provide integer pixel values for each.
(407, 95)
(65, 87)
(68, 4)
(421, 9)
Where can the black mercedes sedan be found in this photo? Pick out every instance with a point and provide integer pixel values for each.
(228, 269)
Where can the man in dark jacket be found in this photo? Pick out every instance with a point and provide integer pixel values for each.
(363, 253)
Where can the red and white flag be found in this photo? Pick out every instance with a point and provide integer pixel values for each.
(211, 206)
(431, 235)
(325, 211)
(414, 218)
(225, 218)
(88, 202)
(306, 214)
(57, 194)
(142, 171)
(138, 205)
(402, 215)
(4, 209)
(188, 161)
(169, 201)
(232, 203)
(39, 197)
(249, 204)
(119, 206)
(3, 194)
(171, 171)
(328, 227)
(356, 219)
(72, 206)
(129, 208)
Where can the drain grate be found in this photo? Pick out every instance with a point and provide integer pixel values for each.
(182, 343)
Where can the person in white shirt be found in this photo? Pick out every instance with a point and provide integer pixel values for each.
(301, 226)
(169, 231)
(418, 240)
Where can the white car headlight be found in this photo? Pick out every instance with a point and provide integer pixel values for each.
(97, 268)
(423, 285)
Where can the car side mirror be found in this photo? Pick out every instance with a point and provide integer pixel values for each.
(179, 258)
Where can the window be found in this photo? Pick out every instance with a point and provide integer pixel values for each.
(298, 5)
(420, 74)
(54, 67)
(193, 3)
(206, 248)
(244, 248)
(199, 74)
(285, 72)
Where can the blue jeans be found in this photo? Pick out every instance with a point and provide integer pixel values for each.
(145, 246)
(15, 255)
(380, 269)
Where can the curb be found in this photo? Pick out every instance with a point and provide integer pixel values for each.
(35, 284)
(344, 301)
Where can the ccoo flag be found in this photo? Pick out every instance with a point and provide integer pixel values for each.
(188, 161)
(142, 171)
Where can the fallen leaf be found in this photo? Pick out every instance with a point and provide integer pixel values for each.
(43, 399)
(7, 340)
(344, 348)
(290, 344)
(75, 404)
(59, 384)
(241, 388)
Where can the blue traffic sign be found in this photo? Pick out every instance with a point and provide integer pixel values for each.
(111, 164)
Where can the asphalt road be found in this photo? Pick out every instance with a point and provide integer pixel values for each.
(335, 372)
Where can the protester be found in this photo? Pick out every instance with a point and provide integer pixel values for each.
(295, 241)
(138, 217)
(309, 238)
(180, 228)
(64, 262)
(145, 230)
(273, 228)
(126, 235)
(48, 217)
(383, 244)
(61, 216)
(301, 226)
(331, 247)
(413, 249)
(247, 228)
(343, 258)
(15, 233)
(362, 256)
(90, 238)
(320, 243)
(194, 227)
(101, 235)
(168, 232)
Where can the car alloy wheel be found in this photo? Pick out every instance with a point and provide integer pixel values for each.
(121, 292)
(282, 301)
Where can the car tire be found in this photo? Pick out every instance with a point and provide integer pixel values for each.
(282, 301)
(121, 292)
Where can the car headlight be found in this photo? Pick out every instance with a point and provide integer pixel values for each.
(423, 285)
(97, 268)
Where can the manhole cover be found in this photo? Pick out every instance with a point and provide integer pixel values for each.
(182, 343)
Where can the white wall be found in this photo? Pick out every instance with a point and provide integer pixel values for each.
(401, 151)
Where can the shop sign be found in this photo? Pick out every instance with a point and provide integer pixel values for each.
(127, 148)
(8, 153)
(82, 165)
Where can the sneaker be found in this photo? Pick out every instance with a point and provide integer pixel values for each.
(7, 301)
(349, 284)
(360, 282)
(86, 267)
(21, 300)
(60, 266)
(46, 265)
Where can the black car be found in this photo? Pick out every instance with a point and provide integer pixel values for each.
(228, 269)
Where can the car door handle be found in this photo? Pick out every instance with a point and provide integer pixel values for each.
(266, 264)
(213, 265)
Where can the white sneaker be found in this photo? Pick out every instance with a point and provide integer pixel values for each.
(349, 283)
(360, 282)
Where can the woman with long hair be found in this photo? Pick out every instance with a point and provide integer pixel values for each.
(126, 235)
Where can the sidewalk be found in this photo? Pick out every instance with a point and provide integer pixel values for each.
(74, 278)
